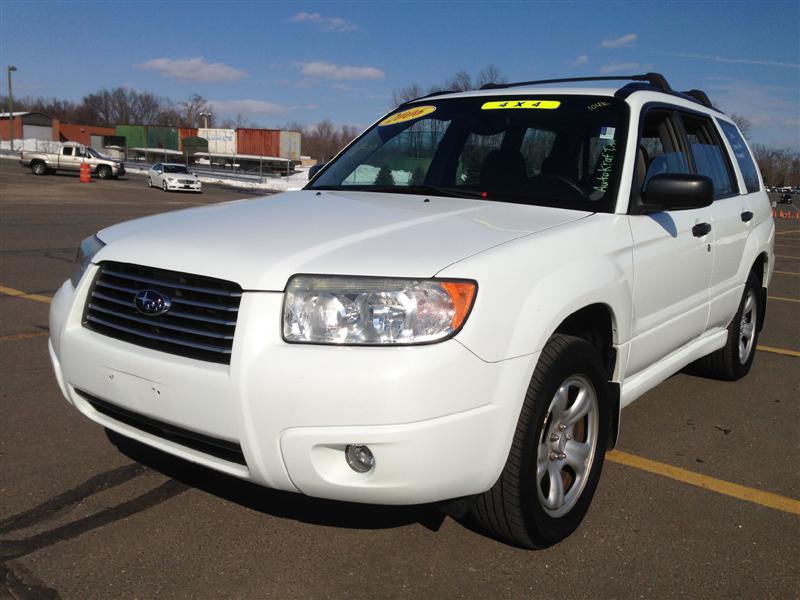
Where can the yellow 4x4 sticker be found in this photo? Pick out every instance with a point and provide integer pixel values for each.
(541, 104)
(407, 115)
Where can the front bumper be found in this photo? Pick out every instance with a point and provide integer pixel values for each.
(178, 186)
(438, 419)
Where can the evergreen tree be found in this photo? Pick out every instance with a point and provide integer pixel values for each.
(417, 176)
(385, 177)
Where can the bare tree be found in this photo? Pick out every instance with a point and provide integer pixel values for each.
(489, 74)
(743, 123)
(191, 109)
(460, 82)
(406, 93)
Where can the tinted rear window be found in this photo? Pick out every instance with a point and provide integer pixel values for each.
(742, 154)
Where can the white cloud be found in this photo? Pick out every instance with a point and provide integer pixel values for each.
(580, 60)
(248, 107)
(741, 61)
(193, 69)
(336, 24)
(620, 68)
(620, 42)
(323, 70)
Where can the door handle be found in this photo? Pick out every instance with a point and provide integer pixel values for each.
(746, 216)
(701, 229)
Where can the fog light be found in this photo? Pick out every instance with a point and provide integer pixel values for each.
(359, 458)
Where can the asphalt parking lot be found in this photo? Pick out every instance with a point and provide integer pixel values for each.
(700, 499)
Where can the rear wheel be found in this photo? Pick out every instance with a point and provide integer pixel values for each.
(557, 453)
(733, 361)
(38, 167)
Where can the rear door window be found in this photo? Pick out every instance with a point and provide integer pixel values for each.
(66, 151)
(710, 157)
(742, 154)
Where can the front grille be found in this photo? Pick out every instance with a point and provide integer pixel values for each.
(187, 181)
(230, 451)
(200, 323)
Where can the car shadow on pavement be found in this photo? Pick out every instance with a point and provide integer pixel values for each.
(286, 505)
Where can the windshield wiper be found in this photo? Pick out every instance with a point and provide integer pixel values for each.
(420, 190)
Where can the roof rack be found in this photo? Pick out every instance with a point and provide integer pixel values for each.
(641, 82)
(699, 96)
(428, 95)
(657, 80)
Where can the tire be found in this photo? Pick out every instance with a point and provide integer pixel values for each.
(522, 507)
(149, 182)
(164, 186)
(104, 172)
(38, 167)
(733, 361)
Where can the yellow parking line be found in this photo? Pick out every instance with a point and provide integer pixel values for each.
(720, 486)
(788, 232)
(7, 291)
(23, 336)
(783, 299)
(783, 351)
(787, 273)
(785, 256)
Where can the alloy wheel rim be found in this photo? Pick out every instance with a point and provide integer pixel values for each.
(747, 327)
(567, 445)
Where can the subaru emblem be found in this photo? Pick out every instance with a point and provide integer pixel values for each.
(151, 303)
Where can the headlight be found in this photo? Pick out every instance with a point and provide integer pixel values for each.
(88, 248)
(374, 311)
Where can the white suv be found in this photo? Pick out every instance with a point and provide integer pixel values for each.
(456, 307)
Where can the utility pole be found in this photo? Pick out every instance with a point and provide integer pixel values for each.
(10, 109)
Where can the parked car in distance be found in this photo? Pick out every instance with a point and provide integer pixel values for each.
(453, 310)
(786, 198)
(69, 157)
(172, 177)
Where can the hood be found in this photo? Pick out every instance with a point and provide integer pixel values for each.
(260, 243)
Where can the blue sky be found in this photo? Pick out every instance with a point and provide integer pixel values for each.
(306, 61)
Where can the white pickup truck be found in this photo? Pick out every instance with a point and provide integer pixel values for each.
(456, 308)
(69, 157)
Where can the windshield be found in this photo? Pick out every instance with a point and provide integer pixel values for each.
(175, 169)
(563, 151)
(95, 153)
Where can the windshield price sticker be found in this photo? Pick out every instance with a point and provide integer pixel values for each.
(506, 104)
(408, 115)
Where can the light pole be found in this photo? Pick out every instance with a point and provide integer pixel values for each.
(10, 109)
(205, 116)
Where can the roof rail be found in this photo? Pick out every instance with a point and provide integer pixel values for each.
(700, 96)
(428, 95)
(657, 80)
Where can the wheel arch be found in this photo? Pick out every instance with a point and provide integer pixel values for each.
(597, 324)
(760, 268)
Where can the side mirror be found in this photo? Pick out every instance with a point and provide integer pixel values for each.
(315, 169)
(677, 191)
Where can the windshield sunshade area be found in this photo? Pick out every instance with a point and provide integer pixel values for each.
(175, 169)
(551, 150)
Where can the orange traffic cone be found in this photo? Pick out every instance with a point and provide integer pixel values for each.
(86, 173)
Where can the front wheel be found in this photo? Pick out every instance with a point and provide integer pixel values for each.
(164, 186)
(557, 453)
(103, 172)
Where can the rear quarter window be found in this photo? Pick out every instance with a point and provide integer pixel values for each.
(742, 155)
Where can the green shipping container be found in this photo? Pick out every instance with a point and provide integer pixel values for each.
(162, 137)
(135, 136)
